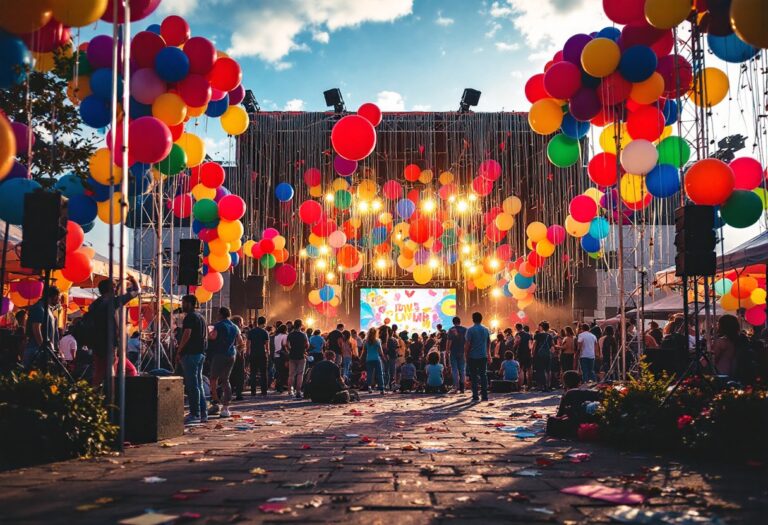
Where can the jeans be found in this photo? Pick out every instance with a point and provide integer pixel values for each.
(478, 373)
(296, 374)
(346, 365)
(458, 370)
(391, 371)
(193, 383)
(587, 369)
(374, 367)
(259, 365)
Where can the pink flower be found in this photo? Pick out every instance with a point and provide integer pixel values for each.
(683, 421)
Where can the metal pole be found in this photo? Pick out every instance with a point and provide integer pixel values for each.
(159, 269)
(622, 302)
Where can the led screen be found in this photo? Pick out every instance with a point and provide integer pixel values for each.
(411, 309)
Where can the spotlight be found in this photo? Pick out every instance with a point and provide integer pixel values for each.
(310, 322)
(470, 97)
(323, 249)
(330, 276)
(376, 205)
(329, 197)
(381, 264)
(496, 293)
(321, 264)
(494, 323)
(334, 99)
(434, 263)
(462, 206)
(250, 103)
(428, 206)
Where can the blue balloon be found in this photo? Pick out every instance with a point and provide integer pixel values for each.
(379, 235)
(284, 192)
(312, 251)
(139, 180)
(15, 60)
(95, 112)
(138, 110)
(523, 282)
(18, 171)
(154, 28)
(197, 226)
(663, 181)
(452, 256)
(212, 225)
(101, 84)
(69, 185)
(611, 33)
(590, 244)
(327, 293)
(12, 199)
(573, 128)
(82, 209)
(599, 228)
(88, 226)
(405, 208)
(204, 270)
(670, 112)
(731, 48)
(171, 64)
(235, 258)
(216, 108)
(637, 63)
(100, 191)
(206, 249)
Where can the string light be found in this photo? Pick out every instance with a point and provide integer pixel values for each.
(496, 293)
(303, 253)
(363, 206)
(376, 205)
(462, 206)
(466, 249)
(494, 264)
(324, 250)
(310, 322)
(321, 264)
(472, 197)
(434, 263)
(329, 197)
(494, 323)
(330, 276)
(381, 263)
(428, 206)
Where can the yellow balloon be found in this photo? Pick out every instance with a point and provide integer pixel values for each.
(575, 228)
(545, 248)
(525, 303)
(230, 231)
(314, 297)
(102, 209)
(339, 184)
(367, 189)
(43, 61)
(504, 221)
(649, 90)
(600, 57)
(279, 242)
(194, 148)
(201, 191)
(729, 303)
(78, 13)
(196, 112)
(248, 247)
(98, 165)
(219, 261)
(632, 187)
(445, 177)
(235, 245)
(536, 231)
(512, 205)
(316, 191)
(385, 218)
(7, 146)
(60, 281)
(25, 16)
(757, 296)
(336, 301)
(218, 245)
(203, 295)
(715, 86)
(170, 108)
(666, 14)
(594, 193)
(235, 120)
(314, 240)
(422, 274)
(426, 176)
(483, 280)
(545, 116)
(749, 19)
(608, 138)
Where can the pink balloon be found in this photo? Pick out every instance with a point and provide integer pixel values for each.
(146, 86)
(482, 186)
(313, 177)
(490, 170)
(556, 234)
(201, 53)
(140, 9)
(583, 208)
(285, 275)
(344, 167)
(99, 51)
(150, 140)
(270, 233)
(562, 80)
(28, 289)
(624, 11)
(49, 37)
(392, 190)
(748, 173)
(756, 315)
(231, 207)
(195, 90)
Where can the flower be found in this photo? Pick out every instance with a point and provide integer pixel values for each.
(683, 421)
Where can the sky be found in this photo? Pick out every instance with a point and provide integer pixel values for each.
(404, 55)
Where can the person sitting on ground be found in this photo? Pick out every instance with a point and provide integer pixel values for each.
(434, 371)
(407, 375)
(510, 370)
(572, 410)
(325, 382)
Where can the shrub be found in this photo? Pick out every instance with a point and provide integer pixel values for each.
(46, 418)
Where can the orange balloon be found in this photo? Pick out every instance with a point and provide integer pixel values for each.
(281, 255)
(709, 182)
(743, 286)
(348, 256)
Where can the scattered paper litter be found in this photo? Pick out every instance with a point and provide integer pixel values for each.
(528, 473)
(625, 514)
(149, 519)
(524, 435)
(274, 508)
(277, 500)
(603, 493)
(154, 479)
(474, 478)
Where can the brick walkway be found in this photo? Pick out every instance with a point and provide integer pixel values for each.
(387, 459)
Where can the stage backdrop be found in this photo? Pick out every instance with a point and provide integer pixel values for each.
(412, 309)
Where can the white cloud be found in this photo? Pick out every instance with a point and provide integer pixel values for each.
(390, 101)
(218, 149)
(178, 7)
(443, 20)
(321, 36)
(295, 104)
(516, 74)
(282, 66)
(498, 10)
(506, 46)
(421, 107)
(494, 28)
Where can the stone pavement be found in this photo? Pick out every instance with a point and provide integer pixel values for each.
(395, 459)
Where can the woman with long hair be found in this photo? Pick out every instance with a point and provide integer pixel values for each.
(374, 357)
(726, 346)
(608, 348)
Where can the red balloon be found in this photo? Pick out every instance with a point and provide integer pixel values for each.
(231, 207)
(49, 37)
(267, 245)
(534, 88)
(603, 169)
(175, 30)
(236, 95)
(324, 228)
(748, 173)
(225, 74)
(208, 234)
(201, 54)
(370, 112)
(494, 234)
(256, 252)
(75, 236)
(195, 90)
(709, 182)
(77, 266)
(140, 9)
(536, 260)
(310, 212)
(482, 186)
(353, 137)
(582, 208)
(624, 11)
(606, 116)
(212, 175)
(490, 215)
(392, 190)
(677, 74)
(412, 172)
(646, 123)
(144, 48)
(285, 275)
(150, 140)
(661, 41)
(614, 89)
(419, 230)
(562, 80)
(176, 132)
(181, 205)
(639, 205)
(313, 177)
(504, 252)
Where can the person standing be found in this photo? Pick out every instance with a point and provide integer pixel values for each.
(258, 341)
(316, 346)
(298, 344)
(455, 348)
(237, 379)
(523, 352)
(542, 356)
(477, 348)
(191, 353)
(586, 342)
(68, 348)
(334, 342)
(347, 352)
(393, 354)
(373, 360)
(222, 354)
(41, 330)
(280, 357)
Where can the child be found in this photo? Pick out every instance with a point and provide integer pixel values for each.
(434, 374)
(407, 375)
(510, 370)
(572, 410)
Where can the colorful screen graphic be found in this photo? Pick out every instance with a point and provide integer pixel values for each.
(411, 309)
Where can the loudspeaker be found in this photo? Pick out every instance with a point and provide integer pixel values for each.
(44, 234)
(695, 240)
(254, 292)
(154, 408)
(189, 262)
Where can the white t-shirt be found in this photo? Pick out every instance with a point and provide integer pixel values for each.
(587, 342)
(279, 340)
(68, 347)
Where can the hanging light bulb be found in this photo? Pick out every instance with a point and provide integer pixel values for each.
(496, 293)
(321, 264)
(303, 253)
(363, 206)
(330, 276)
(428, 205)
(434, 263)
(462, 206)
(323, 249)
(381, 263)
(329, 197)
(376, 205)
(494, 264)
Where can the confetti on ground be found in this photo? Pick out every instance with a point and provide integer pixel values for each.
(154, 479)
(603, 493)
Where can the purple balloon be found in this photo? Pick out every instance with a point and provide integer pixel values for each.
(344, 167)
(585, 104)
(18, 171)
(146, 86)
(100, 52)
(21, 132)
(5, 306)
(221, 192)
(574, 46)
(236, 95)
(421, 256)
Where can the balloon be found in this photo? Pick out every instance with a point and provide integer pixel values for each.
(230, 231)
(563, 151)
(602, 169)
(422, 274)
(589, 244)
(370, 112)
(715, 86)
(646, 122)
(545, 116)
(709, 182)
(12, 193)
(639, 157)
(213, 281)
(235, 120)
(201, 54)
(225, 75)
(585, 104)
(347, 256)
(573, 128)
(99, 164)
(310, 212)
(140, 9)
(749, 18)
(666, 14)
(175, 30)
(284, 192)
(181, 205)
(25, 17)
(202, 295)
(563, 79)
(236, 95)
(77, 266)
(614, 89)
(53, 35)
(169, 108)
(174, 163)
(624, 11)
(8, 145)
(95, 112)
(78, 14)
(632, 188)
(536, 231)
(194, 147)
(661, 41)
(731, 48)
(582, 208)
(205, 210)
(217, 108)
(575, 228)
(534, 88)
(573, 48)
(742, 209)
(286, 275)
(748, 173)
(489, 170)
(663, 181)
(758, 296)
(599, 228)
(677, 74)
(756, 316)
(82, 209)
(171, 64)
(353, 137)
(512, 205)
(649, 90)
(231, 207)
(99, 52)
(674, 151)
(600, 57)
(638, 63)
(342, 199)
(146, 86)
(392, 190)
(15, 59)
(115, 205)
(144, 48)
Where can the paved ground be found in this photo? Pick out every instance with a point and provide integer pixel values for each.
(387, 459)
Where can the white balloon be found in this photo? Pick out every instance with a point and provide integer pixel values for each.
(639, 157)
(337, 239)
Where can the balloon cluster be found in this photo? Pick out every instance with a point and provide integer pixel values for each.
(325, 299)
(270, 251)
(743, 292)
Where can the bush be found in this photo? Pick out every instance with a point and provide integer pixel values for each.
(46, 418)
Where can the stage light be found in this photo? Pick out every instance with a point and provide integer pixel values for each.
(428, 206)
(330, 276)
(496, 293)
(363, 206)
(494, 264)
(310, 322)
(376, 205)
(452, 198)
(494, 323)
(334, 99)
(470, 97)
(250, 103)
(329, 197)
(323, 249)
(321, 264)
(340, 268)
(381, 264)
(466, 249)
(303, 253)
(434, 263)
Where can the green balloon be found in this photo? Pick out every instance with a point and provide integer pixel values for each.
(742, 209)
(174, 163)
(760, 192)
(205, 210)
(674, 150)
(563, 151)
(449, 237)
(342, 199)
(268, 260)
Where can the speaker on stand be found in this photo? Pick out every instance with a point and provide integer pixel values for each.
(189, 263)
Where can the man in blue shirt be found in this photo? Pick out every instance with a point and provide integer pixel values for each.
(455, 348)
(477, 347)
(316, 345)
(222, 353)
